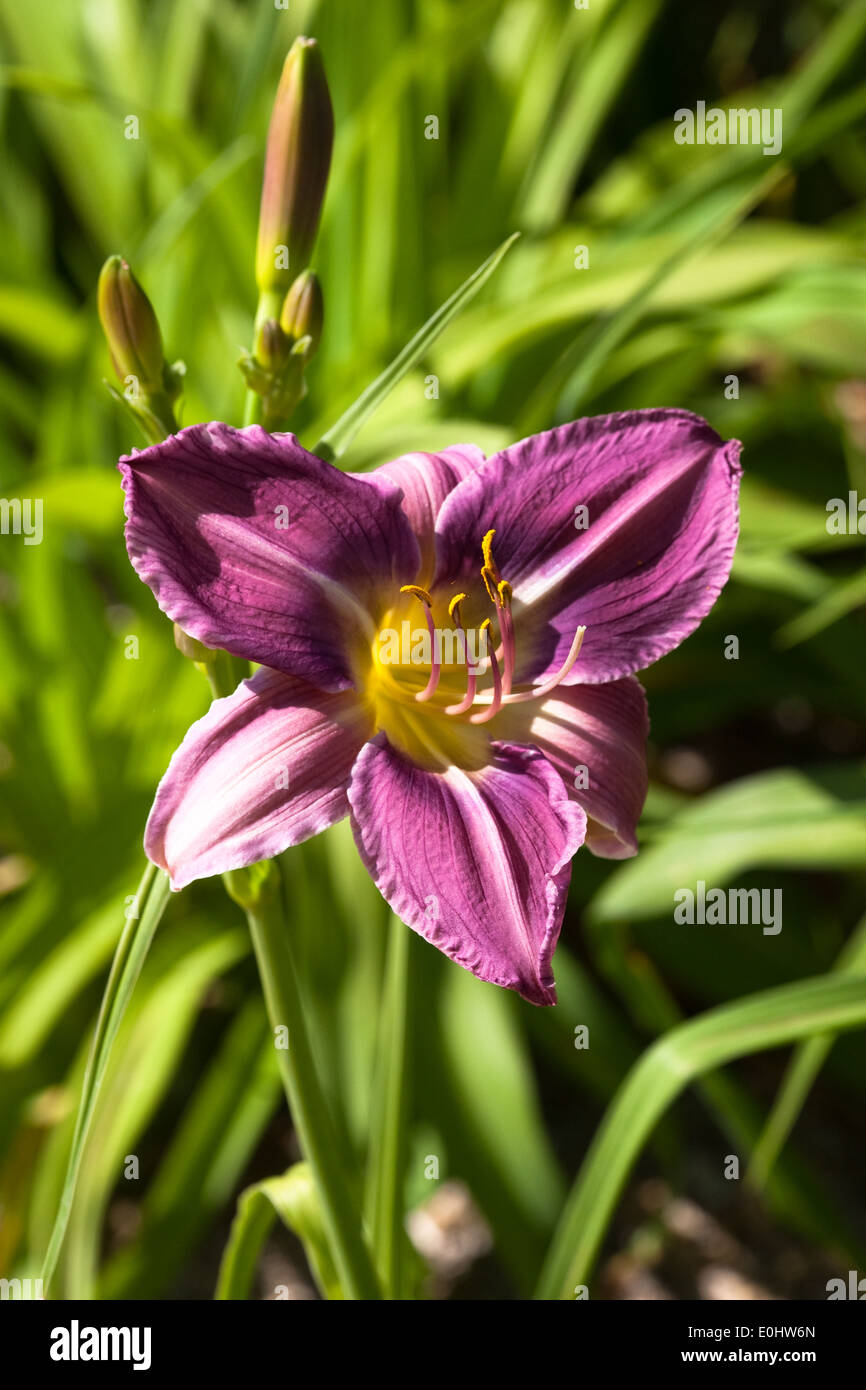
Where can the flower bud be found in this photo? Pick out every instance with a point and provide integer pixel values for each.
(130, 326)
(271, 346)
(303, 311)
(297, 161)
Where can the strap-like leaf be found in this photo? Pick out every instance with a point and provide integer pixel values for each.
(338, 438)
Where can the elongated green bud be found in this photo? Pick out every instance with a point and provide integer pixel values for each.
(303, 311)
(297, 162)
(150, 385)
(130, 326)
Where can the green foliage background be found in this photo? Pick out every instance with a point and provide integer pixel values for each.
(703, 262)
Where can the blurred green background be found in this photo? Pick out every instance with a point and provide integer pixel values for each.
(703, 262)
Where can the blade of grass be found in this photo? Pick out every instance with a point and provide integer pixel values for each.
(205, 1161)
(338, 438)
(292, 1197)
(152, 898)
(572, 378)
(800, 1076)
(388, 1145)
(841, 600)
(768, 1019)
(592, 96)
(793, 1193)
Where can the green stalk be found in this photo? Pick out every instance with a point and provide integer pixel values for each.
(388, 1144)
(259, 892)
(225, 673)
(253, 408)
(269, 306)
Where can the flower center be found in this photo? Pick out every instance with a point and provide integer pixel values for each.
(432, 687)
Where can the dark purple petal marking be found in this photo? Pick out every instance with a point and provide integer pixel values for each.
(660, 487)
(252, 544)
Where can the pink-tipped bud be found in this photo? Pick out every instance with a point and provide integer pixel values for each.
(297, 162)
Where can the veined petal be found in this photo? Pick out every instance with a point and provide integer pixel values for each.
(478, 863)
(265, 768)
(595, 736)
(252, 544)
(425, 481)
(660, 492)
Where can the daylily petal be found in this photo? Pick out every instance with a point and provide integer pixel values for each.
(252, 544)
(660, 488)
(478, 863)
(596, 734)
(265, 768)
(425, 481)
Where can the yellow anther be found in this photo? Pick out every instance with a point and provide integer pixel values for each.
(503, 588)
(420, 593)
(485, 627)
(489, 583)
(487, 550)
(454, 604)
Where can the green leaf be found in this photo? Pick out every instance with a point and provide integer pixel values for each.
(338, 438)
(784, 818)
(766, 1020)
(152, 899)
(293, 1198)
(215, 1138)
(841, 600)
(590, 97)
(800, 1076)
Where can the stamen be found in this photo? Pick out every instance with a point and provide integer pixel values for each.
(489, 583)
(497, 681)
(487, 552)
(539, 691)
(418, 592)
(471, 671)
(490, 570)
(435, 662)
(506, 631)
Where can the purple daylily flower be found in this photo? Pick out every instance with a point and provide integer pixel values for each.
(461, 773)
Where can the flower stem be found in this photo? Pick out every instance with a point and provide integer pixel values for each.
(225, 673)
(268, 307)
(259, 892)
(253, 409)
(387, 1170)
